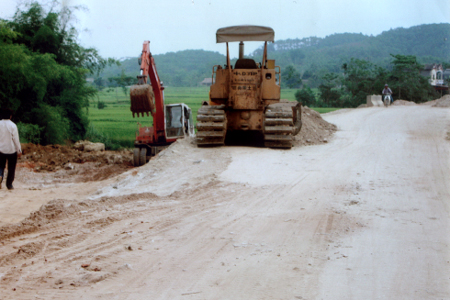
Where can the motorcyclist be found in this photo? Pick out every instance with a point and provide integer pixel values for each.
(387, 91)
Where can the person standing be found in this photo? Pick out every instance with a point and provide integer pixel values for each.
(10, 148)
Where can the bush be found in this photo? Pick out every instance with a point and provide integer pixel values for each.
(101, 105)
(54, 125)
(306, 96)
(29, 133)
(43, 73)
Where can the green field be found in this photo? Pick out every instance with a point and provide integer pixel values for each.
(116, 123)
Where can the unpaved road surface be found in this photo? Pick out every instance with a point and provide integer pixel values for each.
(364, 216)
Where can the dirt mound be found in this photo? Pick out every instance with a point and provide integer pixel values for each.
(60, 209)
(67, 161)
(403, 103)
(442, 102)
(315, 130)
(49, 212)
(53, 157)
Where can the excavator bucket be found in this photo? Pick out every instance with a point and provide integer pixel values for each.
(142, 99)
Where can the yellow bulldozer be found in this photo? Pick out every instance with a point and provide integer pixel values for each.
(246, 97)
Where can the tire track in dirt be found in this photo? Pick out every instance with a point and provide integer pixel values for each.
(77, 246)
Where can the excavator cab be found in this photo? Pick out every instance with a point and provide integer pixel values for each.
(179, 122)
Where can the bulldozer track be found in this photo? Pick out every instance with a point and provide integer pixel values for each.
(279, 128)
(211, 125)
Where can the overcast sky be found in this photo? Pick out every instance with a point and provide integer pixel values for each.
(117, 28)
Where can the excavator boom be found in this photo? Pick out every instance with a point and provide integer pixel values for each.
(147, 96)
(170, 122)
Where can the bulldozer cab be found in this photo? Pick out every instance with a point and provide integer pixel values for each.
(243, 34)
(244, 100)
(179, 121)
(248, 85)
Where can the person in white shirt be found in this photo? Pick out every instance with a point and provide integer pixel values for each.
(10, 148)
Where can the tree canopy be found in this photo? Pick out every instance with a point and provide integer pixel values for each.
(291, 77)
(43, 71)
(362, 78)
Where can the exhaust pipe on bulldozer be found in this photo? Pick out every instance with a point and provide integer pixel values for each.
(241, 50)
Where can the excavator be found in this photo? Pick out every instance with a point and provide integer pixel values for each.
(246, 97)
(170, 121)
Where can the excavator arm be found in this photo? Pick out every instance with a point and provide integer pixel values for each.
(147, 96)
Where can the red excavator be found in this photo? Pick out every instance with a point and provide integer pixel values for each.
(170, 122)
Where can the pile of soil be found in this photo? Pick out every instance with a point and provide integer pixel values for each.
(66, 161)
(315, 130)
(54, 157)
(442, 102)
(403, 103)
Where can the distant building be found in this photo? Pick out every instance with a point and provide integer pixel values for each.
(206, 82)
(436, 76)
(446, 75)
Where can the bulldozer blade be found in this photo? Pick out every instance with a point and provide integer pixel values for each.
(142, 99)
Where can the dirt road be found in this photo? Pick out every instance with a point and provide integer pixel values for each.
(364, 216)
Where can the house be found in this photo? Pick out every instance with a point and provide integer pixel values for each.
(206, 82)
(436, 75)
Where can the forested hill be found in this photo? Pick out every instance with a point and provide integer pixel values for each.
(310, 56)
(183, 68)
(429, 43)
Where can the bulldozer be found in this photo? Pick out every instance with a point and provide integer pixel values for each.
(246, 97)
(170, 121)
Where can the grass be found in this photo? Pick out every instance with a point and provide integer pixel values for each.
(116, 123)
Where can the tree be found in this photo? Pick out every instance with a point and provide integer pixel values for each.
(362, 78)
(43, 70)
(291, 77)
(99, 83)
(306, 96)
(331, 91)
(123, 81)
(407, 83)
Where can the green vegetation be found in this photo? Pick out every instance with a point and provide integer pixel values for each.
(362, 78)
(311, 57)
(29, 133)
(42, 73)
(182, 68)
(291, 78)
(115, 123)
(339, 70)
(306, 96)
